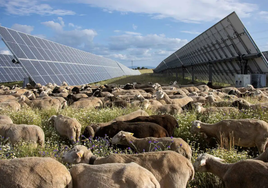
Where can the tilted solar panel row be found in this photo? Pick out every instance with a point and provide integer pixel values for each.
(49, 62)
(10, 72)
(226, 46)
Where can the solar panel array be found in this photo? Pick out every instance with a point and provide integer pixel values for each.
(226, 49)
(49, 62)
(265, 54)
(10, 72)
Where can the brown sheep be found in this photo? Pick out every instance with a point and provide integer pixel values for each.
(240, 132)
(166, 121)
(242, 174)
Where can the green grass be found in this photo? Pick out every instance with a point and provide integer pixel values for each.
(55, 145)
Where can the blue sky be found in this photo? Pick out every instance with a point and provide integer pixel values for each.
(138, 31)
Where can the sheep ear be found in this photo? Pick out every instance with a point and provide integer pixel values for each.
(198, 126)
(203, 162)
(80, 154)
(131, 134)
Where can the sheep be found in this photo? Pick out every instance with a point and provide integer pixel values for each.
(22, 132)
(181, 101)
(244, 104)
(10, 104)
(67, 127)
(242, 174)
(131, 115)
(44, 103)
(4, 119)
(116, 175)
(228, 110)
(150, 143)
(166, 121)
(263, 157)
(89, 102)
(172, 109)
(170, 168)
(240, 132)
(140, 129)
(32, 172)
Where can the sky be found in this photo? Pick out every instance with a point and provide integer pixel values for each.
(133, 32)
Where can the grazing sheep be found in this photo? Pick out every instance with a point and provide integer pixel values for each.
(172, 109)
(244, 104)
(4, 119)
(33, 172)
(140, 129)
(227, 110)
(89, 102)
(170, 168)
(239, 132)
(22, 132)
(10, 104)
(116, 175)
(66, 126)
(179, 101)
(263, 157)
(166, 121)
(150, 143)
(242, 174)
(131, 115)
(43, 103)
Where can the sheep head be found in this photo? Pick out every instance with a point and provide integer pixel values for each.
(120, 137)
(159, 94)
(52, 118)
(198, 107)
(196, 126)
(77, 154)
(200, 164)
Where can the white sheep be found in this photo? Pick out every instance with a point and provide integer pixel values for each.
(227, 110)
(160, 94)
(22, 132)
(67, 127)
(152, 143)
(239, 132)
(32, 172)
(170, 168)
(116, 175)
(242, 174)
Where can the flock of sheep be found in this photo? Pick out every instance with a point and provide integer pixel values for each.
(171, 168)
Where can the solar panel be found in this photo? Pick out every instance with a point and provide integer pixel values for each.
(265, 54)
(10, 72)
(49, 62)
(221, 52)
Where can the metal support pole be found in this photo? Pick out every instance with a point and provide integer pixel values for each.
(192, 73)
(183, 72)
(210, 72)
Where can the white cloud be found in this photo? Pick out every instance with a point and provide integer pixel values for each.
(6, 52)
(132, 33)
(191, 32)
(186, 11)
(28, 7)
(54, 25)
(264, 15)
(74, 26)
(23, 28)
(134, 26)
(78, 38)
(155, 41)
